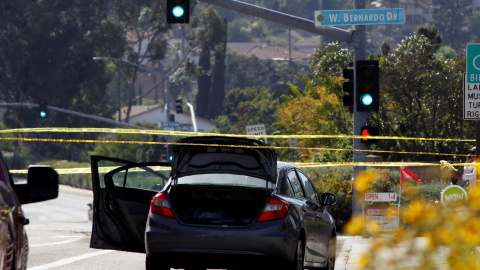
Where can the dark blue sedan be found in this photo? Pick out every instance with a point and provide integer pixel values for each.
(223, 203)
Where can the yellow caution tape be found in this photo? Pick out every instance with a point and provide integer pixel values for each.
(301, 165)
(273, 147)
(185, 133)
(100, 170)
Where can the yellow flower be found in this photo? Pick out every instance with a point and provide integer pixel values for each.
(418, 212)
(364, 262)
(355, 225)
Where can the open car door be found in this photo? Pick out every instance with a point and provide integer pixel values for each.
(122, 192)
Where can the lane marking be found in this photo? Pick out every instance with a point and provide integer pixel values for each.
(70, 260)
(74, 239)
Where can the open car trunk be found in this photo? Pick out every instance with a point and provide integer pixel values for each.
(218, 205)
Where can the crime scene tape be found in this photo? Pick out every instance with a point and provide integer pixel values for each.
(100, 170)
(274, 147)
(301, 165)
(186, 133)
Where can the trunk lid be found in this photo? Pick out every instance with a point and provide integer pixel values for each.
(204, 155)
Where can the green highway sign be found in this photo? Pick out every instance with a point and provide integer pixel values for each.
(473, 63)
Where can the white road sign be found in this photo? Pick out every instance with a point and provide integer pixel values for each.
(471, 100)
(257, 130)
(381, 197)
(384, 223)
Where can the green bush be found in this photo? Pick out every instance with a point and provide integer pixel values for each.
(78, 180)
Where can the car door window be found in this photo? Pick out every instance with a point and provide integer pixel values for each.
(309, 189)
(294, 185)
(151, 177)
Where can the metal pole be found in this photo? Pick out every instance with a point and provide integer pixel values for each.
(359, 118)
(192, 112)
(285, 19)
(50, 108)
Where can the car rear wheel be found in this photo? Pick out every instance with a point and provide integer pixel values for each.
(297, 263)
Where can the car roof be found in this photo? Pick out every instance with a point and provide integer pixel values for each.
(284, 164)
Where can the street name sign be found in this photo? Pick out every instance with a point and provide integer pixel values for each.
(170, 124)
(359, 17)
(471, 100)
(473, 63)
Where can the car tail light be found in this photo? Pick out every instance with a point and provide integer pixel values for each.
(275, 208)
(161, 206)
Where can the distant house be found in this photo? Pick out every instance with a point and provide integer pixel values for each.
(156, 114)
(266, 51)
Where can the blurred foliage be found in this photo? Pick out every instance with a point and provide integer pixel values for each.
(428, 231)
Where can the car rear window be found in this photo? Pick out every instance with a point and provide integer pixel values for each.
(223, 179)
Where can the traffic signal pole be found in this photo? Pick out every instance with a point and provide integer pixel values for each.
(359, 118)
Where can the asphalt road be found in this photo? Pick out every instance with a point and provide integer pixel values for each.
(59, 236)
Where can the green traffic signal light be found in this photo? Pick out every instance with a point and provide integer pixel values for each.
(42, 109)
(366, 100)
(178, 11)
(367, 85)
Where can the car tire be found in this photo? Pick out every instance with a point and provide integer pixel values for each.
(298, 260)
(332, 249)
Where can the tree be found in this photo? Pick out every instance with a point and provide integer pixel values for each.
(249, 106)
(318, 109)
(46, 55)
(433, 35)
(210, 36)
(244, 71)
(473, 22)
(421, 99)
(144, 22)
(450, 17)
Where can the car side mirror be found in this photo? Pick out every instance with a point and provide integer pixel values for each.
(328, 198)
(42, 185)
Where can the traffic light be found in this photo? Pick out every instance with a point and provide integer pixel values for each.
(178, 11)
(179, 106)
(369, 131)
(170, 152)
(348, 74)
(42, 109)
(367, 85)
